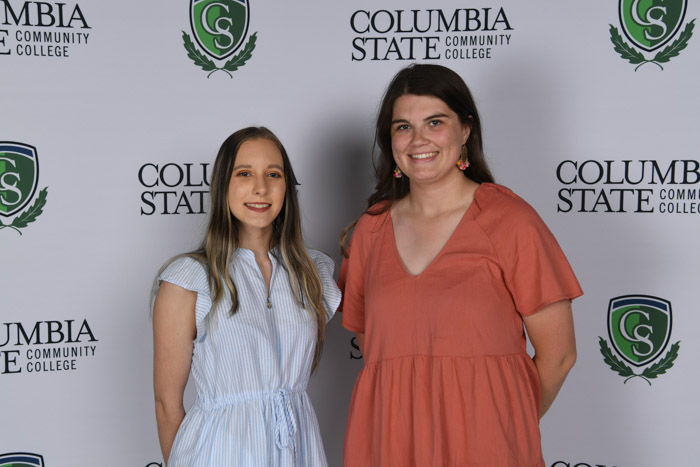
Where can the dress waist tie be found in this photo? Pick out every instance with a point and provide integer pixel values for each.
(285, 422)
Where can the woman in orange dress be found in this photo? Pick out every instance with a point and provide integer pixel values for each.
(441, 273)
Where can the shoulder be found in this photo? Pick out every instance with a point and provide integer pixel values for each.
(372, 220)
(191, 274)
(507, 219)
(498, 206)
(512, 226)
(490, 196)
(320, 259)
(331, 293)
(187, 272)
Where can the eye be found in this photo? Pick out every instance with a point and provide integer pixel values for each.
(435, 122)
(243, 173)
(274, 175)
(401, 127)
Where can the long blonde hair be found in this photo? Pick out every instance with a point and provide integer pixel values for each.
(222, 236)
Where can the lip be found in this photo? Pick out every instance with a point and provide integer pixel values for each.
(423, 157)
(258, 207)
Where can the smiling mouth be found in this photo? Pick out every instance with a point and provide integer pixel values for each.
(258, 206)
(424, 155)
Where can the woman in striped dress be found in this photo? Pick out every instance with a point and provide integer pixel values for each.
(245, 315)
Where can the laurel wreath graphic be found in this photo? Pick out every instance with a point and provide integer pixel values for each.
(635, 57)
(651, 372)
(28, 216)
(206, 64)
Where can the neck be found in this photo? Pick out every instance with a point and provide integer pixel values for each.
(434, 199)
(256, 240)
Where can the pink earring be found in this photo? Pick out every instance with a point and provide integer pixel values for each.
(463, 161)
(398, 173)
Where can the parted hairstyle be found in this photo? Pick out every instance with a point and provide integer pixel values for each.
(421, 80)
(222, 236)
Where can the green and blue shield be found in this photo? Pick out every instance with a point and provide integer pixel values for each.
(21, 459)
(219, 26)
(639, 327)
(19, 176)
(650, 24)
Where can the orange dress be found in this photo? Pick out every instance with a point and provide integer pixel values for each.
(447, 380)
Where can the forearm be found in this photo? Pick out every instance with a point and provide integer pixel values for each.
(551, 332)
(169, 420)
(552, 376)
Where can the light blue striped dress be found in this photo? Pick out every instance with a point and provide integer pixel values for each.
(250, 370)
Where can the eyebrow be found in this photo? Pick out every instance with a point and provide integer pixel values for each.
(436, 116)
(431, 117)
(248, 166)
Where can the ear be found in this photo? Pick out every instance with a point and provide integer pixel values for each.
(466, 130)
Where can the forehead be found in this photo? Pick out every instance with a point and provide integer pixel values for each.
(414, 106)
(259, 151)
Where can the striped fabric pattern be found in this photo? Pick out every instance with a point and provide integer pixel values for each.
(250, 370)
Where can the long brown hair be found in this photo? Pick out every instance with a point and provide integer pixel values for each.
(222, 236)
(421, 80)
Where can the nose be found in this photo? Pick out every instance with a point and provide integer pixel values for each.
(417, 137)
(260, 186)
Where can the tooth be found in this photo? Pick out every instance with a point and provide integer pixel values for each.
(424, 155)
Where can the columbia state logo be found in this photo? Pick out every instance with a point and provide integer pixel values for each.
(650, 26)
(639, 327)
(19, 177)
(21, 459)
(220, 28)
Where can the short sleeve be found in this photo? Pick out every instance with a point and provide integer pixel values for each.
(535, 270)
(351, 279)
(190, 274)
(331, 292)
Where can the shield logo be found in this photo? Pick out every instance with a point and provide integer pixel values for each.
(639, 327)
(219, 26)
(21, 459)
(650, 24)
(19, 176)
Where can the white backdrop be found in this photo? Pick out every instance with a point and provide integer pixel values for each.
(74, 283)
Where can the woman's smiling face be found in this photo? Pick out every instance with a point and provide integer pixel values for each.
(426, 138)
(257, 187)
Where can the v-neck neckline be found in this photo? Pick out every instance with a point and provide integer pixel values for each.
(397, 254)
(271, 253)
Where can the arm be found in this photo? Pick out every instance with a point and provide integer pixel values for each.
(551, 332)
(174, 330)
(361, 342)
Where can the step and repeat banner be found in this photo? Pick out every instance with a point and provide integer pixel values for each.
(112, 114)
